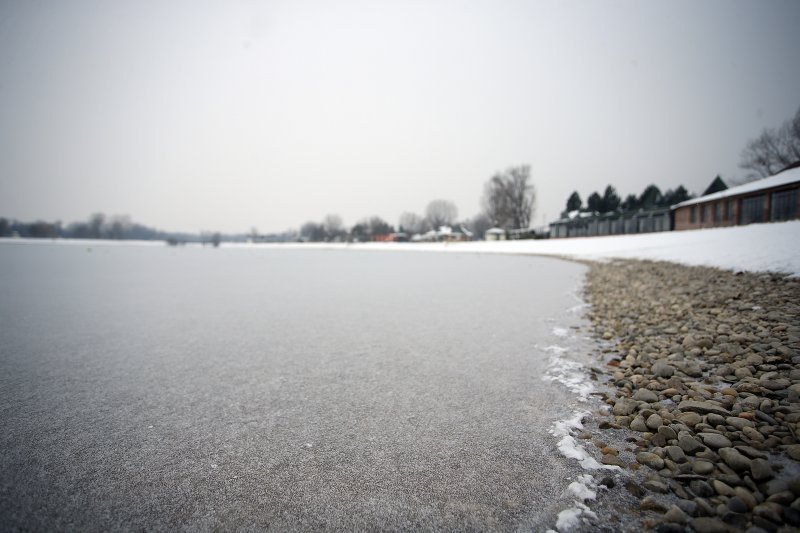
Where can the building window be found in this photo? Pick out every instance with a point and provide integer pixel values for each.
(731, 209)
(693, 214)
(784, 205)
(752, 210)
(717, 211)
(703, 213)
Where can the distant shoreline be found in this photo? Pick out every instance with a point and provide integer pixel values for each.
(768, 247)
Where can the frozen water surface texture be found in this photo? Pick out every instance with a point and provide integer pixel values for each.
(163, 388)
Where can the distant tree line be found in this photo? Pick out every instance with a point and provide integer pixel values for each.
(100, 226)
(331, 229)
(507, 202)
(650, 198)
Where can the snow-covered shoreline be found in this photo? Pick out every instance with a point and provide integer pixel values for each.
(771, 247)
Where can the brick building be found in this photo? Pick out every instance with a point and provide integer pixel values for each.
(770, 199)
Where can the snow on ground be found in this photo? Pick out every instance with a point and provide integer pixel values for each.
(771, 247)
(572, 374)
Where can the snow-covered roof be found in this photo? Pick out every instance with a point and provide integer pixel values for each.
(782, 178)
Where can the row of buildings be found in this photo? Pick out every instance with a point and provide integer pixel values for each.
(771, 199)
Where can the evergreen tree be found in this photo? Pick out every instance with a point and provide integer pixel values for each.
(574, 202)
(631, 203)
(675, 197)
(680, 195)
(611, 200)
(716, 185)
(651, 197)
(595, 202)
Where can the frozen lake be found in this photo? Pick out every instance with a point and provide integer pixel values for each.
(147, 387)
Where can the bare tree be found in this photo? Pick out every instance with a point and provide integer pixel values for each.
(508, 198)
(479, 224)
(378, 226)
(773, 150)
(96, 225)
(369, 228)
(522, 195)
(334, 228)
(312, 232)
(411, 223)
(119, 227)
(441, 213)
(495, 201)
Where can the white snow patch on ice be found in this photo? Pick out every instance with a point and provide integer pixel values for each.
(569, 446)
(555, 349)
(573, 376)
(560, 332)
(583, 488)
(571, 518)
(569, 373)
(577, 308)
(568, 519)
(570, 449)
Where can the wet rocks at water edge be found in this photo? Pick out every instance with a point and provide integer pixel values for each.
(705, 367)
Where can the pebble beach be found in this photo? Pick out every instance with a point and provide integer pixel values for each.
(702, 395)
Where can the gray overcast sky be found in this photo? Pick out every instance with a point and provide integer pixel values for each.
(226, 115)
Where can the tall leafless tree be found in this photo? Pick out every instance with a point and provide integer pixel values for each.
(312, 232)
(774, 149)
(508, 198)
(412, 223)
(495, 201)
(334, 228)
(479, 224)
(441, 213)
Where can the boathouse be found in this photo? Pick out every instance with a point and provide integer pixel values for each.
(771, 199)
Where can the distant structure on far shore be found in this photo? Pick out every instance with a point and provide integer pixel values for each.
(771, 199)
